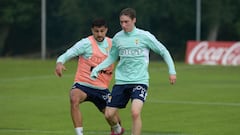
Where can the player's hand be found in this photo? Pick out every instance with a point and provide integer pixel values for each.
(94, 74)
(59, 68)
(172, 79)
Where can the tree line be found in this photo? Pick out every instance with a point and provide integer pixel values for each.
(173, 22)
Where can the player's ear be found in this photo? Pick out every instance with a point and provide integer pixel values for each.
(92, 30)
(134, 20)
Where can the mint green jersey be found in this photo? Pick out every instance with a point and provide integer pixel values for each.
(132, 49)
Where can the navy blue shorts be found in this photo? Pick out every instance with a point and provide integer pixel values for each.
(98, 97)
(122, 93)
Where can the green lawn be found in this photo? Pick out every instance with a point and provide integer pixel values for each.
(204, 101)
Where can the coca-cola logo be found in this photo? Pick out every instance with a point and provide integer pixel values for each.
(203, 53)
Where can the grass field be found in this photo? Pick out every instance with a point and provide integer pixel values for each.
(204, 101)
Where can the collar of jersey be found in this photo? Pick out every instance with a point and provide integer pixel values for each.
(131, 32)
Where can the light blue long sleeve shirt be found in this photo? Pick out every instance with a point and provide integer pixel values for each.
(82, 48)
(133, 50)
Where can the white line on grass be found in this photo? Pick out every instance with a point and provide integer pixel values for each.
(192, 102)
(25, 78)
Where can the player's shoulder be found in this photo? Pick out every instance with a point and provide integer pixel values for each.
(120, 33)
(84, 42)
(143, 32)
(108, 38)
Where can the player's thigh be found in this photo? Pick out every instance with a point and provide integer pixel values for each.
(99, 98)
(77, 95)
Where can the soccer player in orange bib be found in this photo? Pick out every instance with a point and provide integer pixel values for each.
(91, 51)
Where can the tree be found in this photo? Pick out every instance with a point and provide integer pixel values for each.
(15, 14)
(217, 14)
(172, 21)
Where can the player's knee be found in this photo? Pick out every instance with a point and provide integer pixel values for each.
(74, 102)
(135, 114)
(108, 114)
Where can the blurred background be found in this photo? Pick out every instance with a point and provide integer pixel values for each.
(29, 27)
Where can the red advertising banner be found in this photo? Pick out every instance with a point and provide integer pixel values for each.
(213, 53)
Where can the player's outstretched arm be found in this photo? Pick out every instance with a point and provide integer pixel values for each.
(59, 68)
(94, 73)
(113, 56)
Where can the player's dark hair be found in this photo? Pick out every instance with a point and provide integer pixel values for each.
(99, 22)
(128, 12)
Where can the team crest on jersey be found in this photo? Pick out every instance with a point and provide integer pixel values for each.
(107, 50)
(136, 41)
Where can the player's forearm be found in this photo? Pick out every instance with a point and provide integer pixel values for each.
(106, 63)
(113, 56)
(168, 59)
(65, 57)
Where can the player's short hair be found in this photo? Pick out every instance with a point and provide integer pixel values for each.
(99, 22)
(128, 12)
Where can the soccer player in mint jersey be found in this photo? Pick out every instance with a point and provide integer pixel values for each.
(91, 51)
(132, 46)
